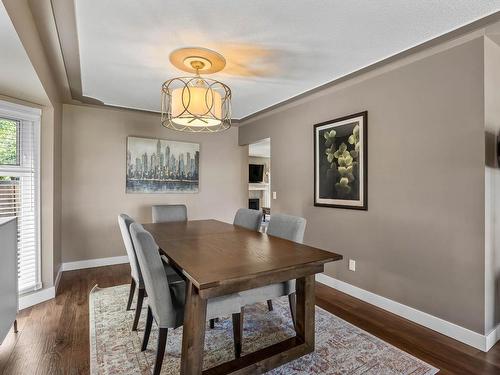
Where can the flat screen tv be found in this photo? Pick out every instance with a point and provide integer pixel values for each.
(255, 172)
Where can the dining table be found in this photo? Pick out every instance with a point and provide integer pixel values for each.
(216, 259)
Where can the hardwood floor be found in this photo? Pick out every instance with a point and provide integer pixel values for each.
(450, 356)
(53, 336)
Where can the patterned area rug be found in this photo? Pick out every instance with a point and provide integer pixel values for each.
(341, 348)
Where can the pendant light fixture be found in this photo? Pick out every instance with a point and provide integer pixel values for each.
(196, 104)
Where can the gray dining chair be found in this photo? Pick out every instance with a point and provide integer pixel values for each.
(289, 228)
(166, 301)
(137, 282)
(249, 219)
(165, 213)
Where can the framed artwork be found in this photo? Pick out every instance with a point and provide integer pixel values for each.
(162, 166)
(341, 162)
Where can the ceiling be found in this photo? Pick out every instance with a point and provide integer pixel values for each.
(18, 78)
(275, 50)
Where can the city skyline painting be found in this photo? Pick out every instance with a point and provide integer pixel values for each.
(162, 166)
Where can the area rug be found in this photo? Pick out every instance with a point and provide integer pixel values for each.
(341, 348)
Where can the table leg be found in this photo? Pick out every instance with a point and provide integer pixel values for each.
(285, 351)
(193, 336)
(305, 310)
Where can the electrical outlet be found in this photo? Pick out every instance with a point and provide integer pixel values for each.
(274, 195)
(352, 265)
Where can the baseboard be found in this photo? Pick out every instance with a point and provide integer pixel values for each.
(478, 341)
(37, 297)
(43, 295)
(90, 263)
(493, 337)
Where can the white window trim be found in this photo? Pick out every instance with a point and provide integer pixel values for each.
(33, 115)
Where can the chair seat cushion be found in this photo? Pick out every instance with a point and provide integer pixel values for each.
(264, 293)
(224, 306)
(178, 295)
(177, 288)
(172, 276)
(216, 307)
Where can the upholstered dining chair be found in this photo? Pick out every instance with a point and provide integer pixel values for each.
(124, 221)
(289, 228)
(249, 219)
(164, 213)
(166, 301)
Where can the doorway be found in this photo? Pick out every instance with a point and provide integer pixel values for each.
(259, 177)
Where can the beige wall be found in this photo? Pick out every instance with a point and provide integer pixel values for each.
(421, 242)
(93, 189)
(492, 183)
(21, 15)
(50, 192)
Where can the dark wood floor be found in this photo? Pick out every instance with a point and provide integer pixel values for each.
(53, 336)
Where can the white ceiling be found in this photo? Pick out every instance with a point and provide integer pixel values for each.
(17, 76)
(260, 149)
(274, 49)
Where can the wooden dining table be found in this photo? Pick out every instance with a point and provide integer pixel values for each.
(216, 259)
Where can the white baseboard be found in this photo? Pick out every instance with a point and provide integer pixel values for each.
(481, 342)
(43, 295)
(493, 337)
(37, 297)
(90, 263)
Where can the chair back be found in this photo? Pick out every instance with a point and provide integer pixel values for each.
(250, 219)
(164, 213)
(288, 227)
(124, 221)
(155, 278)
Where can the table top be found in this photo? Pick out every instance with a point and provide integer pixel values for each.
(210, 252)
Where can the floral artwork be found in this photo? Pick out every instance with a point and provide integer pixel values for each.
(340, 162)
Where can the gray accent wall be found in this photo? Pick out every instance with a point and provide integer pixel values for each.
(422, 240)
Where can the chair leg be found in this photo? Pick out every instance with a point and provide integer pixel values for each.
(292, 300)
(138, 309)
(270, 305)
(238, 333)
(160, 351)
(212, 323)
(131, 294)
(147, 330)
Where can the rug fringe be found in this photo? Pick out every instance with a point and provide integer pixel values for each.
(95, 287)
(92, 333)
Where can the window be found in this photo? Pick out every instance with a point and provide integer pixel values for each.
(19, 154)
(9, 152)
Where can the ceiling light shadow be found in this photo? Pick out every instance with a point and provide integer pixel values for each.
(250, 60)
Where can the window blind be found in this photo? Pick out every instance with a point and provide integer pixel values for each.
(19, 194)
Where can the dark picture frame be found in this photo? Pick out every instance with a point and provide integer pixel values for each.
(341, 162)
